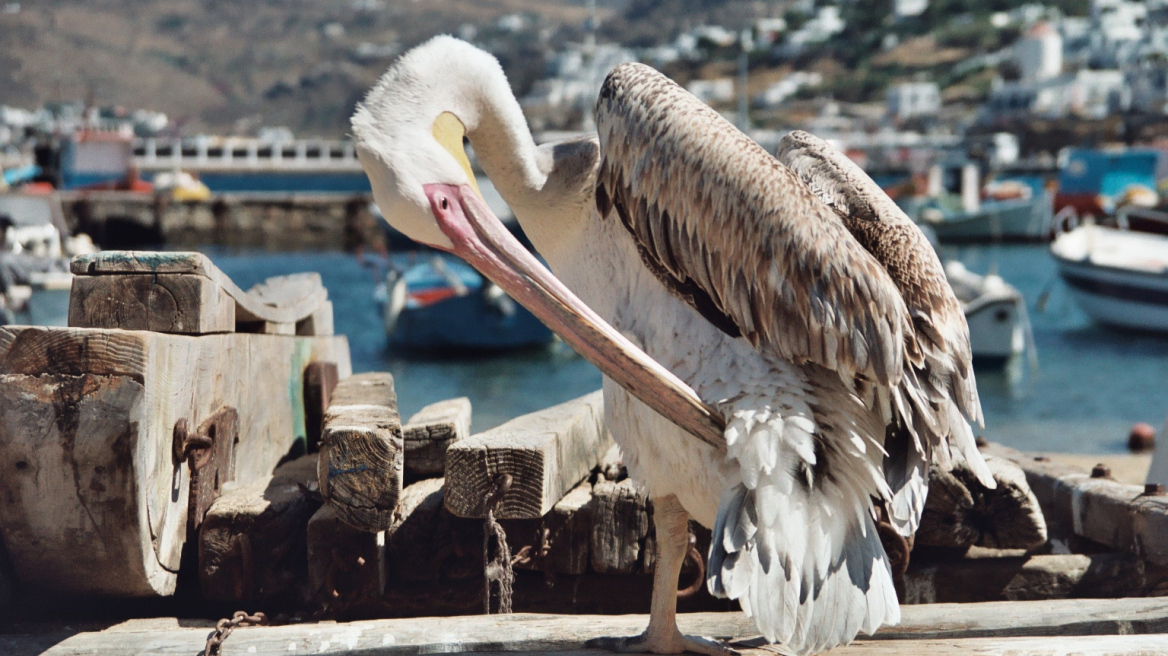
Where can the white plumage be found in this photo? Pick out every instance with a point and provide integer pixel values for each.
(793, 303)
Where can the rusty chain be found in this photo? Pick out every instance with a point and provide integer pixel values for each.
(225, 626)
(497, 569)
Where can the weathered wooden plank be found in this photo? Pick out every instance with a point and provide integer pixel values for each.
(621, 522)
(427, 543)
(546, 453)
(431, 431)
(1020, 578)
(346, 566)
(361, 452)
(285, 306)
(366, 389)
(68, 374)
(961, 512)
(1114, 514)
(1119, 626)
(320, 379)
(253, 542)
(165, 303)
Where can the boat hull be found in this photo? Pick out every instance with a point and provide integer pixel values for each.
(1118, 298)
(467, 323)
(1006, 221)
(996, 331)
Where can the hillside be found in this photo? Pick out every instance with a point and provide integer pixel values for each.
(230, 65)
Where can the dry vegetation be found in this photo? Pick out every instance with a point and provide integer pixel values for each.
(226, 65)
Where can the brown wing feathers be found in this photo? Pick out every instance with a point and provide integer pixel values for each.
(736, 234)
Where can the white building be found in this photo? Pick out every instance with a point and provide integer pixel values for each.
(574, 80)
(780, 91)
(1039, 54)
(1086, 93)
(912, 99)
(909, 8)
(720, 90)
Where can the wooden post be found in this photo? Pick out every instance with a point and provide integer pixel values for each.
(621, 522)
(961, 512)
(320, 379)
(546, 453)
(87, 432)
(360, 460)
(346, 567)
(430, 432)
(253, 543)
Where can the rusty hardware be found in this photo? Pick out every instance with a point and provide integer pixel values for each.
(1101, 471)
(1154, 490)
(525, 555)
(210, 454)
(1041, 459)
(225, 626)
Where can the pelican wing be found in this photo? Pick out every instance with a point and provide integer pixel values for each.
(941, 380)
(735, 233)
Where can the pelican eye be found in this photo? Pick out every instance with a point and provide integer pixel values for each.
(443, 203)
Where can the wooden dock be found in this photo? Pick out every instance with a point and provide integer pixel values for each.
(1102, 627)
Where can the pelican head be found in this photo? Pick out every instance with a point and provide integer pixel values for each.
(409, 133)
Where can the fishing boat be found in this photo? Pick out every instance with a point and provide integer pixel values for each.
(1119, 276)
(999, 326)
(441, 303)
(34, 259)
(1008, 220)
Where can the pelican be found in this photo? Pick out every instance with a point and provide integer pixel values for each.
(781, 353)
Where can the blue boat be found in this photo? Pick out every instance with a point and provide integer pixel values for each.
(441, 304)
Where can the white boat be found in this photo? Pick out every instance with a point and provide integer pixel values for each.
(34, 260)
(1118, 276)
(999, 326)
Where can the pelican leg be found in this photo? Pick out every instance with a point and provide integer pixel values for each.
(662, 636)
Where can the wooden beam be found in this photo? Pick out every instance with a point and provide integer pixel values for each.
(320, 379)
(621, 523)
(273, 304)
(431, 431)
(960, 512)
(361, 452)
(427, 543)
(1020, 578)
(253, 543)
(165, 303)
(89, 417)
(346, 567)
(1104, 626)
(546, 453)
(1117, 515)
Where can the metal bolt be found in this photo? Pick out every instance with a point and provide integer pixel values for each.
(1154, 490)
(1101, 471)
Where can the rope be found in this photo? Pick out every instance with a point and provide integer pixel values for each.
(497, 567)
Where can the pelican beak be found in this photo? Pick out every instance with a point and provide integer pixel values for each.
(480, 238)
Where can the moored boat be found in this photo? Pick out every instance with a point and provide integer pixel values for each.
(995, 311)
(441, 303)
(1119, 277)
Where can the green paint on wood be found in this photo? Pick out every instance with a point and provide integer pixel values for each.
(301, 356)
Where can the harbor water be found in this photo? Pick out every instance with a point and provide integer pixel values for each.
(1089, 385)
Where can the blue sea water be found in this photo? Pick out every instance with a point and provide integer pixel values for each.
(1090, 384)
